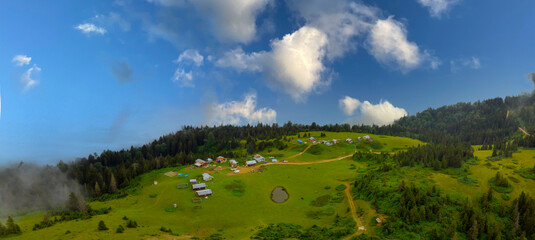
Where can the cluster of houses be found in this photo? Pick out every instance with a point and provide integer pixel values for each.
(335, 141)
(208, 162)
(200, 188)
(258, 159)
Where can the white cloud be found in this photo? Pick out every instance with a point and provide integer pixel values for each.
(168, 3)
(241, 61)
(341, 21)
(183, 78)
(294, 64)
(236, 113)
(438, 7)
(191, 55)
(21, 60)
(383, 113)
(349, 105)
(297, 64)
(89, 28)
(26, 78)
(389, 45)
(471, 62)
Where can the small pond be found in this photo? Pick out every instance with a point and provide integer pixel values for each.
(279, 195)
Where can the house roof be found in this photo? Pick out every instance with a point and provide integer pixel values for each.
(193, 180)
(251, 162)
(233, 161)
(206, 175)
(204, 192)
(200, 185)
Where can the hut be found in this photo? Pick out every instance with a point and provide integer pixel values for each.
(209, 160)
(207, 177)
(349, 140)
(233, 163)
(258, 158)
(335, 141)
(204, 193)
(250, 163)
(193, 181)
(200, 163)
(221, 159)
(199, 186)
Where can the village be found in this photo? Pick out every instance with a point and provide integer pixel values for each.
(200, 188)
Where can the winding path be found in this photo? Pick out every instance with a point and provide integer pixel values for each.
(353, 208)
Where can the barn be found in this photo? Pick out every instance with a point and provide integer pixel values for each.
(204, 193)
(199, 186)
(250, 163)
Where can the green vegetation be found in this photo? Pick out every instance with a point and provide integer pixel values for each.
(102, 226)
(321, 201)
(120, 229)
(237, 187)
(341, 187)
(528, 173)
(467, 180)
(10, 228)
(500, 184)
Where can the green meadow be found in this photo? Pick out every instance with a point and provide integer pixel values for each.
(241, 203)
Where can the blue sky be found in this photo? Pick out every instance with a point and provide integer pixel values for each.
(82, 76)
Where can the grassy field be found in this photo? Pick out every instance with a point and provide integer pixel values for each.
(240, 204)
(486, 169)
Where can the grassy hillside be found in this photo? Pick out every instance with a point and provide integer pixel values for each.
(241, 202)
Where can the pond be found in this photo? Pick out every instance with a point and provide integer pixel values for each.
(279, 195)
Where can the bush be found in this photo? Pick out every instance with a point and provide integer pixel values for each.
(167, 230)
(131, 224)
(153, 195)
(321, 201)
(120, 229)
(67, 232)
(327, 187)
(102, 226)
(341, 187)
(500, 184)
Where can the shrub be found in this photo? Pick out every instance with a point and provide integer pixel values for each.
(153, 195)
(102, 226)
(120, 229)
(327, 187)
(341, 187)
(167, 230)
(321, 201)
(131, 224)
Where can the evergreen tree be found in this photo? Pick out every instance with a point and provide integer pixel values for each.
(102, 226)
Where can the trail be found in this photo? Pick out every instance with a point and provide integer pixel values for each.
(521, 129)
(301, 153)
(353, 208)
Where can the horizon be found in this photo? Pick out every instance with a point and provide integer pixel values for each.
(83, 77)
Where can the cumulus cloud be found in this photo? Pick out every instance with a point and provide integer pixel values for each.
(299, 62)
(388, 43)
(341, 21)
(191, 55)
(122, 71)
(383, 113)
(438, 7)
(27, 79)
(349, 105)
(239, 112)
(294, 64)
(21, 60)
(89, 28)
(471, 62)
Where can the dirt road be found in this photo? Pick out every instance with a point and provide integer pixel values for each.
(353, 208)
(301, 153)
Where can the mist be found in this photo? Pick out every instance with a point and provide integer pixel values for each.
(25, 187)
